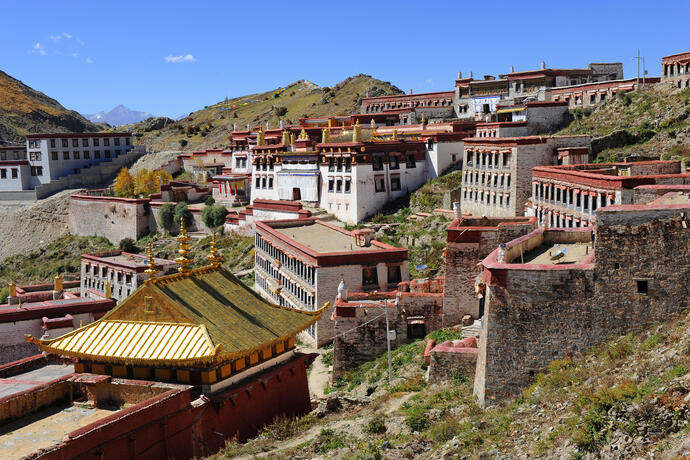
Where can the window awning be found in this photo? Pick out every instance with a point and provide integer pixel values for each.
(511, 109)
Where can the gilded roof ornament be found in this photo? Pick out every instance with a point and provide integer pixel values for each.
(214, 258)
(151, 270)
(13, 289)
(395, 134)
(357, 133)
(303, 135)
(286, 137)
(183, 239)
(325, 137)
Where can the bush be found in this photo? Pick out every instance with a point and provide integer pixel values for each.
(182, 212)
(417, 420)
(624, 98)
(4, 294)
(209, 201)
(280, 111)
(376, 425)
(127, 245)
(214, 216)
(183, 142)
(444, 430)
(166, 215)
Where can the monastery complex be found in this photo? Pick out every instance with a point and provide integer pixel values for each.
(546, 254)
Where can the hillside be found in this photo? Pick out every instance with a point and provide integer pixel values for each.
(211, 125)
(24, 110)
(629, 398)
(652, 123)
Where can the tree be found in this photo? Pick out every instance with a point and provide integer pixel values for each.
(183, 142)
(210, 201)
(124, 184)
(166, 215)
(182, 211)
(214, 216)
(147, 182)
(127, 245)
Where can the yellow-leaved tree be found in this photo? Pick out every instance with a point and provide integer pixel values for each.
(147, 182)
(124, 184)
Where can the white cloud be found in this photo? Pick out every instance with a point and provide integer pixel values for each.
(429, 81)
(66, 35)
(180, 59)
(74, 55)
(89, 60)
(55, 37)
(39, 49)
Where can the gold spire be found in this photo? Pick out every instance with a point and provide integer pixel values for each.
(13, 289)
(373, 123)
(395, 134)
(57, 285)
(151, 270)
(423, 119)
(260, 140)
(183, 261)
(214, 258)
(325, 137)
(286, 137)
(357, 132)
(292, 138)
(303, 135)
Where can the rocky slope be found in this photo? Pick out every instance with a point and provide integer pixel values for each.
(628, 399)
(652, 123)
(24, 110)
(211, 125)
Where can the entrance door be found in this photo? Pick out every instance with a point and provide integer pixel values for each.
(416, 330)
(296, 194)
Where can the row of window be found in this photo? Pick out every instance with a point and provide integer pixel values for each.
(488, 159)
(677, 67)
(570, 198)
(240, 162)
(480, 196)
(264, 182)
(488, 180)
(14, 173)
(15, 155)
(370, 276)
(336, 185)
(76, 155)
(293, 264)
(393, 162)
(104, 272)
(95, 142)
(380, 183)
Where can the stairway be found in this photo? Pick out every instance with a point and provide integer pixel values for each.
(323, 216)
(473, 330)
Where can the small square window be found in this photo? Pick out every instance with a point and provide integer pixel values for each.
(642, 286)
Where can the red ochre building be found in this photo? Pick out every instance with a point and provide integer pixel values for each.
(568, 196)
(211, 361)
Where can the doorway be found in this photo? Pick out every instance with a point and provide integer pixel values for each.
(296, 194)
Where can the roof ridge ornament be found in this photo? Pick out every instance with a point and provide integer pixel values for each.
(183, 261)
(214, 258)
(151, 270)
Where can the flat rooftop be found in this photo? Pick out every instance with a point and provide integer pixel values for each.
(125, 259)
(31, 379)
(674, 198)
(541, 255)
(45, 428)
(322, 238)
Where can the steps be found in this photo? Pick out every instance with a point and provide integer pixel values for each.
(473, 330)
(323, 216)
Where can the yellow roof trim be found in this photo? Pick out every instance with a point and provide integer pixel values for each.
(518, 109)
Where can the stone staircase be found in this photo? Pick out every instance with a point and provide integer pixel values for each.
(473, 330)
(323, 216)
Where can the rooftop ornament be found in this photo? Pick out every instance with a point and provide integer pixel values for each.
(303, 135)
(214, 258)
(183, 261)
(151, 270)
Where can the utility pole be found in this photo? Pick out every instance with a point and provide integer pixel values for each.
(388, 344)
(644, 72)
(638, 68)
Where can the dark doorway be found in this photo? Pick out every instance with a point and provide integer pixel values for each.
(416, 330)
(296, 194)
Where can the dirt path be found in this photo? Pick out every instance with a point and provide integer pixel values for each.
(319, 376)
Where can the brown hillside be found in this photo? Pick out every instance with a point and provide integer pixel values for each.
(211, 125)
(24, 110)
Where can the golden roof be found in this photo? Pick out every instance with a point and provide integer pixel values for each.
(199, 317)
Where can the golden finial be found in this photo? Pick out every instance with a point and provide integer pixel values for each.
(81, 323)
(395, 134)
(183, 261)
(57, 285)
(260, 136)
(215, 258)
(286, 137)
(151, 270)
(292, 138)
(108, 290)
(357, 132)
(373, 123)
(423, 119)
(325, 138)
(13, 289)
(330, 122)
(303, 135)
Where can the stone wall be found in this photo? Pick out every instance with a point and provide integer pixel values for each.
(536, 314)
(360, 327)
(111, 217)
(447, 364)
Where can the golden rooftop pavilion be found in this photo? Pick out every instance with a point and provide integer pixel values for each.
(199, 326)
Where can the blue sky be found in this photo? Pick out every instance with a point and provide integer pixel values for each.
(170, 58)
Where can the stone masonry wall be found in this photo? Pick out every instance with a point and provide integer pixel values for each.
(640, 276)
(447, 365)
(112, 218)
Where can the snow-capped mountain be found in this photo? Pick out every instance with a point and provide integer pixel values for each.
(119, 116)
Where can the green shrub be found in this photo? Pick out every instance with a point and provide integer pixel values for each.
(417, 420)
(4, 294)
(327, 358)
(620, 348)
(166, 215)
(652, 341)
(128, 245)
(209, 201)
(183, 142)
(624, 98)
(214, 216)
(182, 212)
(329, 440)
(444, 430)
(376, 425)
